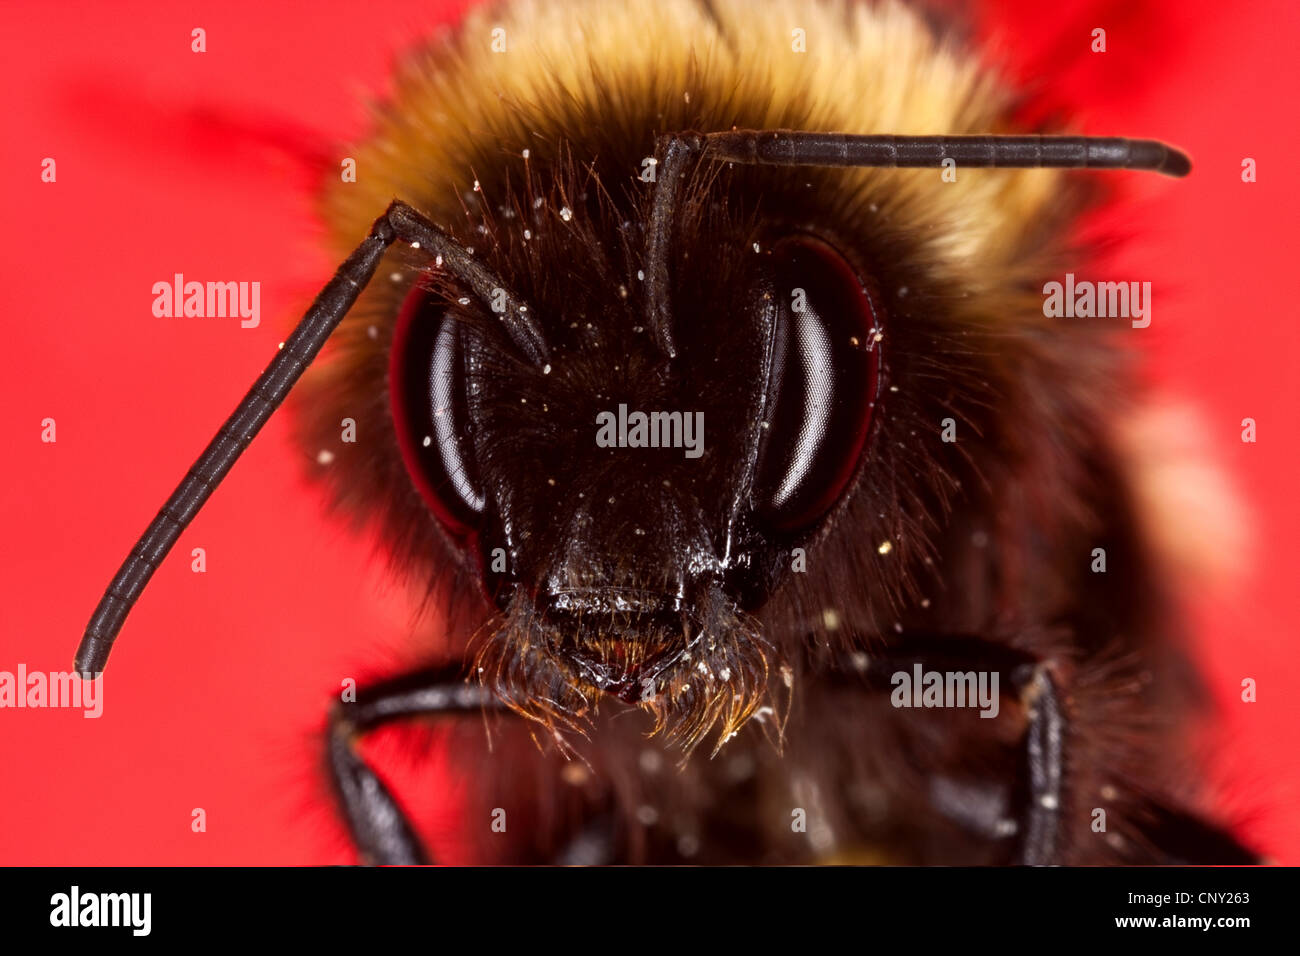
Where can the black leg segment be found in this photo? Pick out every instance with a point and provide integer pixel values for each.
(1038, 820)
(379, 829)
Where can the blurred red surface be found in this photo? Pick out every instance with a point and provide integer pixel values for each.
(170, 162)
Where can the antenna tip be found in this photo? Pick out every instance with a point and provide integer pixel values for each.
(1176, 163)
(92, 655)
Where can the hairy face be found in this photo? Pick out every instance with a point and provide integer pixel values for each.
(627, 511)
(794, 494)
(671, 529)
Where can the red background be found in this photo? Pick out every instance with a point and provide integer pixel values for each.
(169, 161)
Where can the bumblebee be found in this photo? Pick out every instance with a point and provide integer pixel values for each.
(816, 227)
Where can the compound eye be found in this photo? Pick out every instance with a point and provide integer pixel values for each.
(824, 383)
(429, 383)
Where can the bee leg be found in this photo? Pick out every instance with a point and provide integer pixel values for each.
(1038, 822)
(1040, 825)
(379, 828)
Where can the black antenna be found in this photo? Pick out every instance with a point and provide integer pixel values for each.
(805, 148)
(797, 148)
(269, 391)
